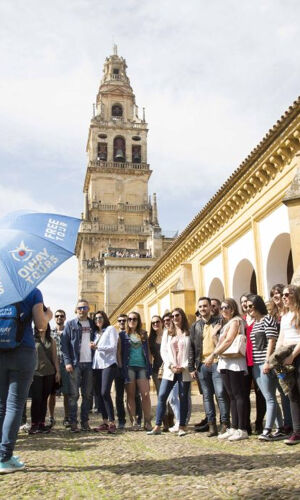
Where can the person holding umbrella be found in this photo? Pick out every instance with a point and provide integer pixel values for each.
(16, 372)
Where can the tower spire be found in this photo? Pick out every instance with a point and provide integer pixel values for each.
(115, 49)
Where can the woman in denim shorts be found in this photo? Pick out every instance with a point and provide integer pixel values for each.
(136, 368)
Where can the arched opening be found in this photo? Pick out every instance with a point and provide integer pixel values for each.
(280, 261)
(117, 111)
(244, 279)
(119, 149)
(216, 289)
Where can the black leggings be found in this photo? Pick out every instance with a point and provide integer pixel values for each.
(103, 382)
(234, 383)
(40, 389)
(294, 396)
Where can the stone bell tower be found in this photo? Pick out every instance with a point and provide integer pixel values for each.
(120, 237)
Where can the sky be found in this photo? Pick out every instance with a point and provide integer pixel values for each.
(213, 76)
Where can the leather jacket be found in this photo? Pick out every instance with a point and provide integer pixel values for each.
(196, 338)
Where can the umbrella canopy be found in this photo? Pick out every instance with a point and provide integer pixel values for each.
(32, 245)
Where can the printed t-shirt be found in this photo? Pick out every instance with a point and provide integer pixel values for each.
(85, 348)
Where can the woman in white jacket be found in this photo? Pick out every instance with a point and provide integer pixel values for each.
(105, 368)
(174, 352)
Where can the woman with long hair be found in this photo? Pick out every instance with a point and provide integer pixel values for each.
(104, 369)
(233, 371)
(45, 375)
(277, 310)
(174, 352)
(290, 337)
(264, 336)
(136, 368)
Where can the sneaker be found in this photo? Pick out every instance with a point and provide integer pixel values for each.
(278, 435)
(266, 435)
(181, 433)
(52, 422)
(154, 432)
(148, 426)
(121, 425)
(112, 429)
(136, 427)
(238, 435)
(25, 427)
(175, 428)
(225, 435)
(44, 429)
(293, 439)
(85, 427)
(11, 465)
(102, 428)
(66, 423)
(34, 429)
(74, 428)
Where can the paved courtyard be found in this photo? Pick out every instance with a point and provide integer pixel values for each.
(132, 465)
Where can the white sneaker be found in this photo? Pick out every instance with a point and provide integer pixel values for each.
(239, 435)
(227, 434)
(25, 427)
(175, 428)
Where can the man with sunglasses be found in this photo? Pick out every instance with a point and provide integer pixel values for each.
(203, 340)
(76, 341)
(56, 332)
(120, 387)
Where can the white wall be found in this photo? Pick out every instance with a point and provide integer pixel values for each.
(242, 249)
(165, 304)
(213, 269)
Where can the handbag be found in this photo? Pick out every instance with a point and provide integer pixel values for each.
(237, 348)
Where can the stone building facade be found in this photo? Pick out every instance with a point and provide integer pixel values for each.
(120, 237)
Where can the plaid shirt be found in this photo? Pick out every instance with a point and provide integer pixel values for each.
(57, 337)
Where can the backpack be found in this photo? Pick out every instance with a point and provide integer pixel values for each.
(11, 327)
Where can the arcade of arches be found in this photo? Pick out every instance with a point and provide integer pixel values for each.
(246, 238)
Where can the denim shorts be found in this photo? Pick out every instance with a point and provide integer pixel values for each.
(136, 373)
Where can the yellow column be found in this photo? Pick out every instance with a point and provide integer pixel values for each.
(258, 257)
(292, 201)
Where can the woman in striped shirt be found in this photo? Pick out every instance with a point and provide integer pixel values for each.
(263, 336)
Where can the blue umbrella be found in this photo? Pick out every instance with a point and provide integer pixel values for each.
(32, 245)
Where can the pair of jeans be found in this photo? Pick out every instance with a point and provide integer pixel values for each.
(174, 402)
(294, 396)
(16, 372)
(267, 382)
(259, 400)
(234, 383)
(169, 409)
(41, 388)
(120, 407)
(165, 388)
(212, 383)
(103, 382)
(80, 378)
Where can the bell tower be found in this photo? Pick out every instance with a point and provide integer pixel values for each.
(120, 237)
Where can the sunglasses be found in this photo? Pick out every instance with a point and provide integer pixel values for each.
(155, 322)
(250, 307)
(83, 308)
(286, 294)
(225, 308)
(176, 315)
(98, 318)
(121, 320)
(59, 315)
(132, 319)
(167, 319)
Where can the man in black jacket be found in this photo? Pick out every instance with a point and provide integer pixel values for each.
(203, 338)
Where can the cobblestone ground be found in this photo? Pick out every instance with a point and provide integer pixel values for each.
(132, 465)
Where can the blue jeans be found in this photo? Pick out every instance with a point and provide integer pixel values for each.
(212, 383)
(164, 391)
(80, 378)
(174, 402)
(267, 382)
(16, 373)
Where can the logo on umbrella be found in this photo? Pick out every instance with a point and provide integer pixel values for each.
(22, 252)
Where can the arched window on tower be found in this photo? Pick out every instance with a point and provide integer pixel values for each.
(117, 111)
(136, 154)
(102, 151)
(119, 149)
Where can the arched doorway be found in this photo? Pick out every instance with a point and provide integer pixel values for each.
(280, 261)
(244, 279)
(216, 289)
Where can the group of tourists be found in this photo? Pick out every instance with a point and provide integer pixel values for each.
(228, 350)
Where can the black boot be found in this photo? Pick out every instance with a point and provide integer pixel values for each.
(213, 430)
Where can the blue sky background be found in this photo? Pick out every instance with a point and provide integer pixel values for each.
(213, 77)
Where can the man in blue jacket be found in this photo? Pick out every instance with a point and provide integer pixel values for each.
(78, 356)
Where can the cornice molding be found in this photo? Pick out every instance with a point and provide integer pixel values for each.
(258, 170)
